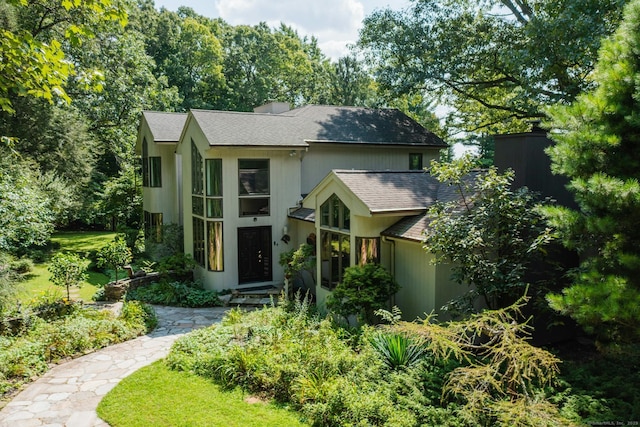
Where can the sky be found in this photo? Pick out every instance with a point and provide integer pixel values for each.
(335, 23)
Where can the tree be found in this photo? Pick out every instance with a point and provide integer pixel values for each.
(34, 64)
(501, 375)
(597, 139)
(115, 254)
(489, 232)
(363, 290)
(67, 270)
(495, 63)
(26, 218)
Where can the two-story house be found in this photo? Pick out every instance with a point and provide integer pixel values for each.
(249, 186)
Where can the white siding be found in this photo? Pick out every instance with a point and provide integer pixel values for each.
(322, 158)
(416, 276)
(284, 194)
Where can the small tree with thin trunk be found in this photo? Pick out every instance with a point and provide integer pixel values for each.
(489, 232)
(115, 254)
(68, 270)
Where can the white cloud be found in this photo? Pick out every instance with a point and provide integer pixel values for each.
(335, 23)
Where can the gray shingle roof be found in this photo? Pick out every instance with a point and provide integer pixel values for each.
(229, 128)
(327, 123)
(386, 191)
(304, 214)
(398, 191)
(165, 127)
(316, 124)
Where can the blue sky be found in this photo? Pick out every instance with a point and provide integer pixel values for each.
(335, 23)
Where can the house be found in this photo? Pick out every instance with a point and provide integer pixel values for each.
(248, 187)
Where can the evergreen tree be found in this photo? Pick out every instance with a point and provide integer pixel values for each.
(597, 149)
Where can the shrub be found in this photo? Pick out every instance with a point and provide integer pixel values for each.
(397, 349)
(363, 290)
(28, 355)
(180, 294)
(140, 316)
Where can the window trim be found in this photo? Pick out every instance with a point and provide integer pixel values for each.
(254, 198)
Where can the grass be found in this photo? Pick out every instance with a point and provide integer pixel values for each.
(37, 282)
(158, 396)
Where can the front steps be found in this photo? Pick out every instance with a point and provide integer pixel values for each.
(252, 297)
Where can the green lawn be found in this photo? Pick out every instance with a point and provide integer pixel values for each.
(82, 243)
(158, 396)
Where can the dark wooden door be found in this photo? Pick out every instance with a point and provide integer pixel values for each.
(254, 254)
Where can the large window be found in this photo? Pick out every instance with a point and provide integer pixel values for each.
(254, 190)
(206, 199)
(214, 188)
(151, 168)
(335, 221)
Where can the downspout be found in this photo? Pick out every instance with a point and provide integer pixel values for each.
(392, 263)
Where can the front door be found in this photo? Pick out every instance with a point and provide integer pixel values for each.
(254, 254)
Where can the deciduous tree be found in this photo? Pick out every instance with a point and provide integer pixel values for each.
(67, 270)
(496, 63)
(489, 232)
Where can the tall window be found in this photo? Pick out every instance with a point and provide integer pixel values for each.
(253, 181)
(145, 163)
(213, 202)
(335, 221)
(214, 188)
(197, 181)
(197, 204)
(214, 246)
(198, 240)
(155, 172)
(151, 168)
(415, 161)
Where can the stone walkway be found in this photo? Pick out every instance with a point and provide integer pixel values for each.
(68, 394)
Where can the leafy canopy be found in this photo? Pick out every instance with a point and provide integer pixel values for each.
(68, 270)
(115, 254)
(597, 140)
(363, 290)
(37, 66)
(495, 63)
(489, 232)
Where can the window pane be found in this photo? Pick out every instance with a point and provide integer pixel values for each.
(335, 211)
(415, 161)
(197, 180)
(155, 173)
(368, 250)
(198, 240)
(254, 206)
(214, 208)
(253, 176)
(197, 205)
(214, 177)
(324, 213)
(346, 217)
(145, 163)
(214, 246)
